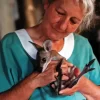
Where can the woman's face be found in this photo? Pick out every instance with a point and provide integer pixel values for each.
(61, 18)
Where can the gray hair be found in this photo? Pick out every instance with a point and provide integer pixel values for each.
(88, 6)
(89, 14)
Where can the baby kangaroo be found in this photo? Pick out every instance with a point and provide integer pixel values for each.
(45, 55)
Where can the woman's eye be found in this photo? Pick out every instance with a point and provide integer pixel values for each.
(60, 13)
(73, 22)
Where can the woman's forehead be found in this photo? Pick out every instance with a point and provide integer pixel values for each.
(69, 3)
(71, 6)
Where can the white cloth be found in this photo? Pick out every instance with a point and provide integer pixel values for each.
(31, 50)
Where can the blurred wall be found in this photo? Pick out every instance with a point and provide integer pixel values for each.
(30, 12)
(7, 23)
(33, 12)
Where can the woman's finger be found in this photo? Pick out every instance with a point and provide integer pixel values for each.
(69, 91)
(65, 77)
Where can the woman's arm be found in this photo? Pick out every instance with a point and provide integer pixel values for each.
(21, 91)
(24, 89)
(86, 87)
(90, 90)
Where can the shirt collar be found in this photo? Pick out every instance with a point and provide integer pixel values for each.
(32, 51)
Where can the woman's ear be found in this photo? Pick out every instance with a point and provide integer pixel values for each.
(46, 4)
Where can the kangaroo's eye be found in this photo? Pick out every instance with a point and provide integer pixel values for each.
(43, 60)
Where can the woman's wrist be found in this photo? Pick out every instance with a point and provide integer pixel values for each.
(89, 89)
(34, 84)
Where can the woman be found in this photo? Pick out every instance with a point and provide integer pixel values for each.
(17, 67)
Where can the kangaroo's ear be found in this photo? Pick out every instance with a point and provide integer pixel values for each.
(36, 45)
(47, 45)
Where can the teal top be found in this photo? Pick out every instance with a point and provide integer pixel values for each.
(16, 64)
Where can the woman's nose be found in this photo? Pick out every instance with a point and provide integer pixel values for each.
(63, 24)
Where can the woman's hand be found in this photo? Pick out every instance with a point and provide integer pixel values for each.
(65, 70)
(82, 83)
(84, 86)
(46, 77)
(64, 67)
(78, 87)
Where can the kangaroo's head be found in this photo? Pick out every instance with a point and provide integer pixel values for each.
(45, 54)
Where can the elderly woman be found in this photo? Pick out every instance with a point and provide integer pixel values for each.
(62, 18)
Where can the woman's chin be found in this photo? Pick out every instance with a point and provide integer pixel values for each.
(56, 38)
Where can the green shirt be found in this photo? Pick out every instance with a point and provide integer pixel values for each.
(16, 64)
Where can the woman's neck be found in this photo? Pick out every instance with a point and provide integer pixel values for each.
(38, 37)
(58, 45)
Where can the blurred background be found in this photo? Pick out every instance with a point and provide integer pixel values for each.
(18, 14)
